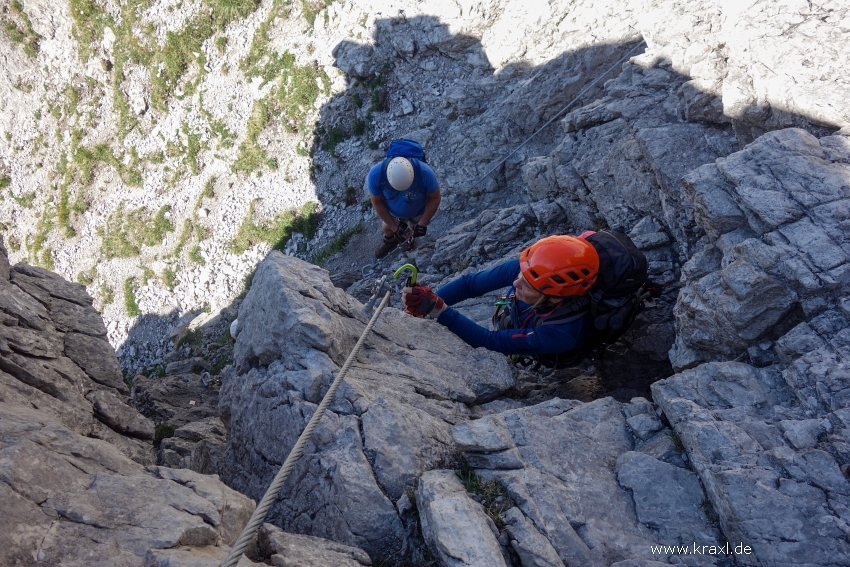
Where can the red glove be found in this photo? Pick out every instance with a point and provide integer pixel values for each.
(420, 301)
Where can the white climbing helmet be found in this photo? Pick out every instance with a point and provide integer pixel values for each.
(400, 173)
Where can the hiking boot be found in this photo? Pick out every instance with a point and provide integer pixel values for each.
(387, 246)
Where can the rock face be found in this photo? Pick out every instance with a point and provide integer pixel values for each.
(769, 463)
(74, 500)
(74, 487)
(759, 58)
(390, 421)
(54, 356)
(593, 483)
(443, 508)
(775, 215)
(722, 149)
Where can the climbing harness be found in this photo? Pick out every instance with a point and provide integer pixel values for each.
(259, 515)
(562, 111)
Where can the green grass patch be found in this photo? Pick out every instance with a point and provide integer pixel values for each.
(87, 277)
(334, 137)
(251, 155)
(130, 303)
(25, 200)
(185, 233)
(89, 20)
(350, 196)
(311, 9)
(163, 431)
(377, 95)
(260, 42)
(26, 37)
(195, 255)
(220, 365)
(5, 181)
(172, 60)
(147, 275)
(107, 295)
(490, 493)
(195, 337)
(276, 232)
(337, 245)
(292, 99)
(37, 253)
(193, 147)
(247, 283)
(208, 190)
(124, 233)
(169, 278)
(85, 160)
(63, 213)
(299, 88)
(167, 62)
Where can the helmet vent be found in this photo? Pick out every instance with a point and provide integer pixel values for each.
(585, 271)
(533, 274)
(558, 279)
(574, 276)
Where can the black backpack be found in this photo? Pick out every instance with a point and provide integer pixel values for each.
(410, 149)
(614, 300)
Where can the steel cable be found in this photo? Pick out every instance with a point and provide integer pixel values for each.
(563, 110)
(259, 515)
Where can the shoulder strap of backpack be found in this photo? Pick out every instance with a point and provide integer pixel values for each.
(570, 310)
(382, 180)
(417, 175)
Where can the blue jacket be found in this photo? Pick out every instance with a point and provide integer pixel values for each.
(404, 204)
(524, 340)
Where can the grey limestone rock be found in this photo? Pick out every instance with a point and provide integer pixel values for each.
(772, 210)
(484, 238)
(71, 498)
(72, 377)
(54, 284)
(293, 550)
(74, 318)
(4, 261)
(665, 495)
(187, 366)
(390, 419)
(120, 416)
(455, 527)
(533, 548)
(767, 463)
(171, 400)
(567, 486)
(187, 556)
(97, 358)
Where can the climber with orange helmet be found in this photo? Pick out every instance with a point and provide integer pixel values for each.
(545, 310)
(404, 193)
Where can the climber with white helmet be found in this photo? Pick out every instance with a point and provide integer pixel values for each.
(405, 194)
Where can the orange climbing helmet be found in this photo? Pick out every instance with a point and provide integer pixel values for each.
(560, 265)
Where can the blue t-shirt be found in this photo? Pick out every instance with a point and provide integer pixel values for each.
(527, 339)
(404, 204)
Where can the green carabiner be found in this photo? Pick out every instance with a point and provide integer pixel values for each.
(411, 279)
